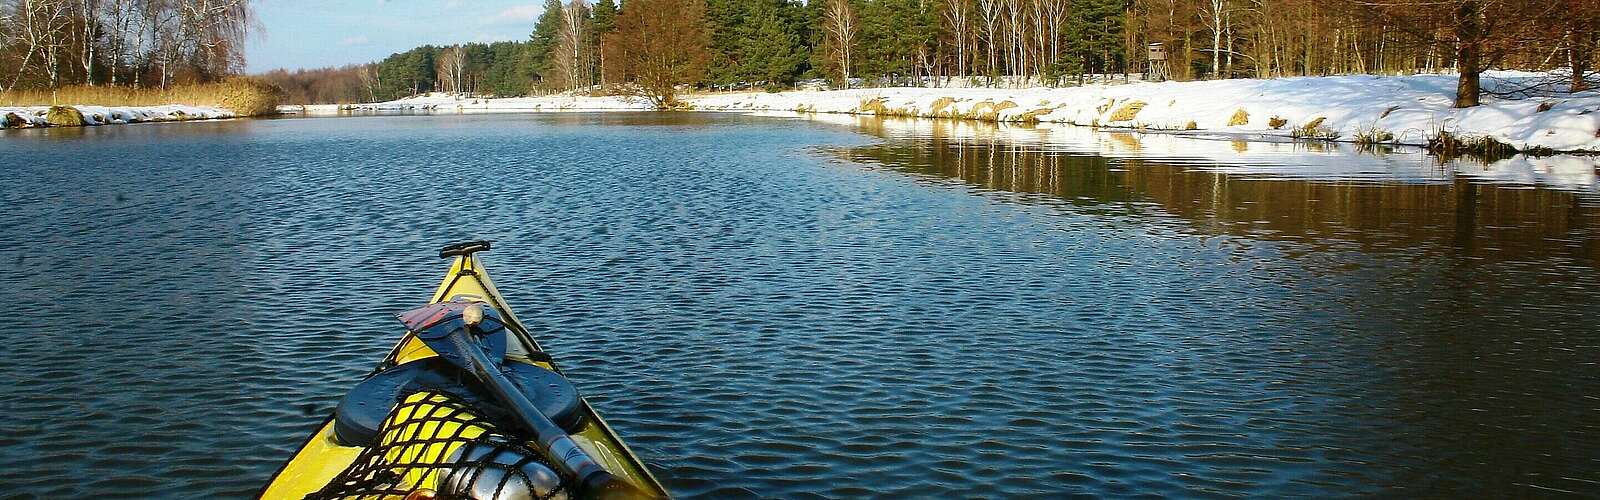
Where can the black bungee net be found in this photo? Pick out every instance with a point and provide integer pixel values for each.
(414, 451)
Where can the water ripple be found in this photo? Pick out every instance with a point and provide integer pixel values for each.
(760, 318)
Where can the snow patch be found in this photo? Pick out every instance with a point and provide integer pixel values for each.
(35, 116)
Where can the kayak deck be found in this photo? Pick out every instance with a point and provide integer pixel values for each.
(321, 459)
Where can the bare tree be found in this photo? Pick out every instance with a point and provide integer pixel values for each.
(839, 22)
(371, 80)
(1583, 35)
(88, 36)
(573, 60)
(1481, 33)
(1215, 15)
(1015, 36)
(450, 68)
(120, 16)
(41, 25)
(990, 11)
(203, 39)
(217, 31)
(658, 45)
(958, 20)
(143, 35)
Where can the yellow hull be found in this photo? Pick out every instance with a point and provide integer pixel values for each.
(321, 459)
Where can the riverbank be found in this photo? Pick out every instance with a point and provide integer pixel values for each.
(1408, 110)
(109, 104)
(78, 116)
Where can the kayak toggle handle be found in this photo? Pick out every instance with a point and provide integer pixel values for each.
(463, 249)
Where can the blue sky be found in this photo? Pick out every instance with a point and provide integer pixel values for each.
(317, 33)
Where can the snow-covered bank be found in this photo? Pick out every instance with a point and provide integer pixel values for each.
(1404, 110)
(1397, 109)
(39, 116)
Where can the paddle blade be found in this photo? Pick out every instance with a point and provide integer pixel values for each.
(421, 318)
(433, 322)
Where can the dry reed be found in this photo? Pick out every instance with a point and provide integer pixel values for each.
(243, 96)
(1127, 111)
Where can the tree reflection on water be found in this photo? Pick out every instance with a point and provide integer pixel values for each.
(1321, 195)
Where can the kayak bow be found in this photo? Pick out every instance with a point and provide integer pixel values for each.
(423, 425)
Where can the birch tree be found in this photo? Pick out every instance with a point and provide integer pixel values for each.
(41, 25)
(989, 11)
(572, 54)
(88, 36)
(451, 67)
(839, 22)
(1214, 16)
(958, 22)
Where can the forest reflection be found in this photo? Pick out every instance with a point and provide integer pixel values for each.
(1323, 195)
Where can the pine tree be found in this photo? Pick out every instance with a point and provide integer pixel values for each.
(755, 41)
(1094, 38)
(727, 19)
(604, 21)
(544, 39)
(771, 46)
(508, 71)
(897, 38)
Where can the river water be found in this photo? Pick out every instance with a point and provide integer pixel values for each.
(836, 307)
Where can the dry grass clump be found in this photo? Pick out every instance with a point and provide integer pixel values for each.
(243, 96)
(1240, 117)
(247, 96)
(1191, 125)
(1314, 130)
(65, 116)
(1372, 136)
(1127, 111)
(873, 106)
(1277, 122)
(989, 111)
(1449, 145)
(941, 103)
(1032, 116)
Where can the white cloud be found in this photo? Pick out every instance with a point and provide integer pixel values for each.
(520, 14)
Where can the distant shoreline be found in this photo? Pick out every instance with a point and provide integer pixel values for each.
(1401, 110)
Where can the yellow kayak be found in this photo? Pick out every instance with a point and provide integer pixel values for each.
(422, 427)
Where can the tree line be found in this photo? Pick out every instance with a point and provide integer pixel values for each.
(663, 45)
(47, 44)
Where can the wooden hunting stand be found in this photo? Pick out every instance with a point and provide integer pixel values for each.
(1158, 70)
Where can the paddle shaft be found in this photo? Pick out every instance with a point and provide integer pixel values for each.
(556, 443)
